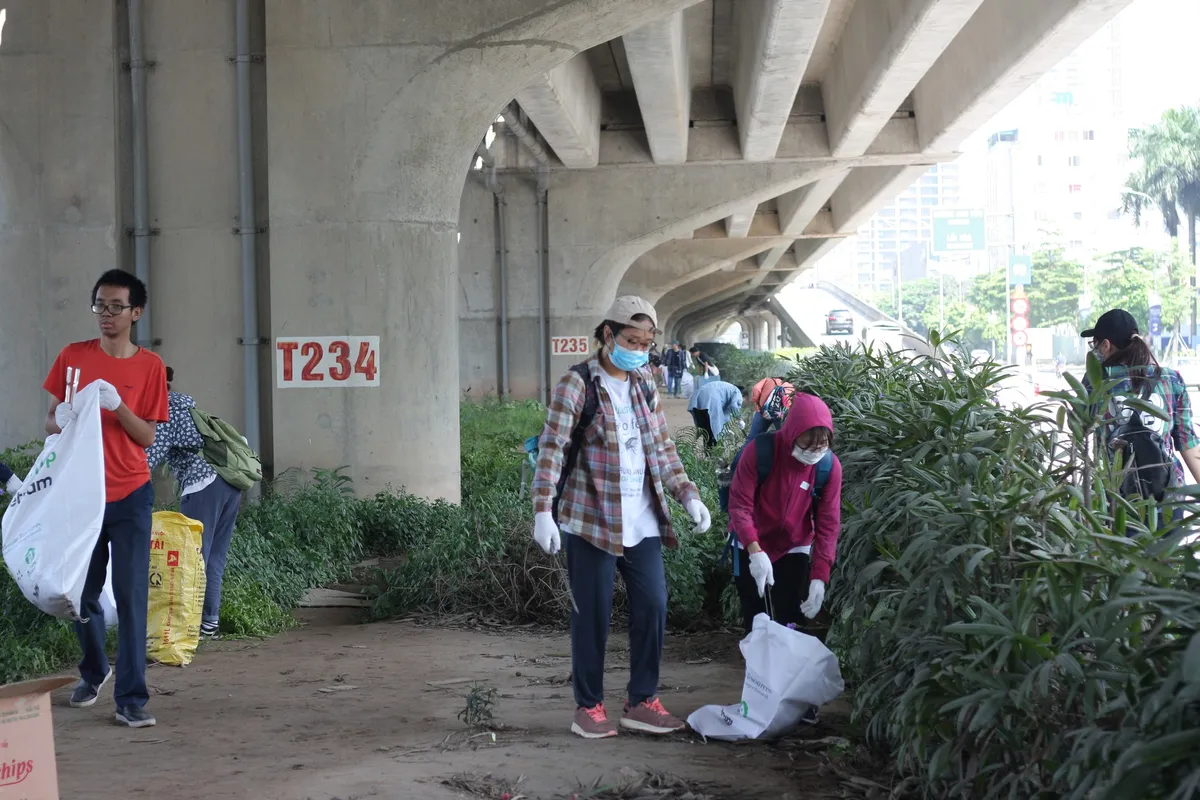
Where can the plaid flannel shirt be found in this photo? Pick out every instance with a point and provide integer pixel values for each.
(590, 506)
(1170, 394)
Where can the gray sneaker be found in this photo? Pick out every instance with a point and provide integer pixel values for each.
(85, 694)
(135, 717)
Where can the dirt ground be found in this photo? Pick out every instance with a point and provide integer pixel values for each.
(338, 711)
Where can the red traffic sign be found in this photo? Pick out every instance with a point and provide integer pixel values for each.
(1020, 339)
(1020, 306)
(1020, 324)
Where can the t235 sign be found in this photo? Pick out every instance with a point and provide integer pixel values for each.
(327, 362)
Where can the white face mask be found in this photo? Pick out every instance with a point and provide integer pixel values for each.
(809, 457)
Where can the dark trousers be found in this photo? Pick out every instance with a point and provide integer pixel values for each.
(127, 530)
(704, 423)
(216, 507)
(790, 589)
(592, 572)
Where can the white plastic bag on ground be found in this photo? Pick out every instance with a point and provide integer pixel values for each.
(786, 672)
(52, 525)
(687, 385)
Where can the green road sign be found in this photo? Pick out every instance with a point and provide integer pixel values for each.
(1020, 270)
(959, 230)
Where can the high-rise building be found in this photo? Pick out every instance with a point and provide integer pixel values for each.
(895, 229)
(1058, 178)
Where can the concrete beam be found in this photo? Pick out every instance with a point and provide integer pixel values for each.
(864, 190)
(886, 48)
(658, 61)
(564, 103)
(737, 225)
(775, 42)
(798, 208)
(1004, 48)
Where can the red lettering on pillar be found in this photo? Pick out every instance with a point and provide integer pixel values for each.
(286, 349)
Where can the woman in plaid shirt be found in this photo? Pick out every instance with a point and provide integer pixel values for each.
(614, 514)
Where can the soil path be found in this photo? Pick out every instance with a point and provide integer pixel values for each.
(336, 711)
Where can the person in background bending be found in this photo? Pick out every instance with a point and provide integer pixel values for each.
(204, 496)
(713, 405)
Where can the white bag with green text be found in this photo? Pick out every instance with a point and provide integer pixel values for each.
(53, 523)
(786, 672)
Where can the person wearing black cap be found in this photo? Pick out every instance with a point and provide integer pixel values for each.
(1125, 355)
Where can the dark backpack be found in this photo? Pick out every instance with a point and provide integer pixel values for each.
(764, 451)
(776, 406)
(1144, 455)
(591, 404)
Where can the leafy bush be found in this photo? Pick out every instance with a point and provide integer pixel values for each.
(1011, 626)
(746, 367)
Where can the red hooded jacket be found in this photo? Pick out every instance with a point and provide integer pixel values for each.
(779, 518)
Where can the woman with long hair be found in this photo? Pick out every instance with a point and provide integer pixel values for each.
(1126, 356)
(606, 466)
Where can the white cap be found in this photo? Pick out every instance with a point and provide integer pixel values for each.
(624, 309)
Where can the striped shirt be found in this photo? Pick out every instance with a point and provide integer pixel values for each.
(590, 506)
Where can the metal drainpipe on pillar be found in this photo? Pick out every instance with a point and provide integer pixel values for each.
(543, 287)
(247, 225)
(141, 231)
(500, 207)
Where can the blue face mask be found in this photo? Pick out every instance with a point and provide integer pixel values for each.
(626, 359)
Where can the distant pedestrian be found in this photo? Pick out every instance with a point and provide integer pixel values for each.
(771, 398)
(674, 362)
(713, 405)
(615, 472)
(204, 496)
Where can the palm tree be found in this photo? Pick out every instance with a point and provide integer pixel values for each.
(1168, 173)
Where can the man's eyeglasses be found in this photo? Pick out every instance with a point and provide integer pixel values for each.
(113, 309)
(636, 346)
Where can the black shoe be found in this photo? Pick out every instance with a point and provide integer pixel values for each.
(85, 694)
(811, 717)
(135, 717)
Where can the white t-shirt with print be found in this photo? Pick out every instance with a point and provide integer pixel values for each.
(638, 520)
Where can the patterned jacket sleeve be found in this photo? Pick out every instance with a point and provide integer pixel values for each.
(156, 453)
(566, 404)
(1182, 428)
(187, 435)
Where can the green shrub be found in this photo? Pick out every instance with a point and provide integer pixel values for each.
(1011, 627)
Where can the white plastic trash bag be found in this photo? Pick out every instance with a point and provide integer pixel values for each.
(687, 385)
(53, 523)
(786, 672)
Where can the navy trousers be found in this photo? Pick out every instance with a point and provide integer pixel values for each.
(592, 573)
(127, 530)
(216, 507)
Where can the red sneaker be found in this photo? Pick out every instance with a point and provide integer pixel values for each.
(650, 717)
(593, 723)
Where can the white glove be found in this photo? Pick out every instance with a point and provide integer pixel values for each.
(110, 399)
(699, 515)
(14, 485)
(816, 596)
(762, 571)
(64, 415)
(545, 532)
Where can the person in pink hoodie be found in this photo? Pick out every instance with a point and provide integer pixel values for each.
(786, 543)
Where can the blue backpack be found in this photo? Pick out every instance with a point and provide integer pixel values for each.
(764, 451)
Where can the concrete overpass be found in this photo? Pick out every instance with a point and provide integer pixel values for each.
(299, 172)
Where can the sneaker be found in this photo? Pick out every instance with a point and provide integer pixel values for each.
(210, 630)
(135, 717)
(593, 723)
(811, 717)
(85, 694)
(650, 717)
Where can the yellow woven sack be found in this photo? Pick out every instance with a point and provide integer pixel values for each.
(176, 589)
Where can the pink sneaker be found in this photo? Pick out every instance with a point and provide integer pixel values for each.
(593, 723)
(650, 717)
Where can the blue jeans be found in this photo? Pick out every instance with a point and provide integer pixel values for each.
(127, 529)
(592, 572)
(674, 379)
(216, 507)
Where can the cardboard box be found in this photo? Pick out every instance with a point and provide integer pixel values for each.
(27, 765)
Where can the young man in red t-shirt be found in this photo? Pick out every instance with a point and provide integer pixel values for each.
(133, 399)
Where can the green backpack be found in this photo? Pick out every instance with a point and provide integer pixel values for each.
(227, 451)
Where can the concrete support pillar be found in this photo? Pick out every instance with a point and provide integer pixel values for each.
(375, 110)
(60, 215)
(773, 342)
